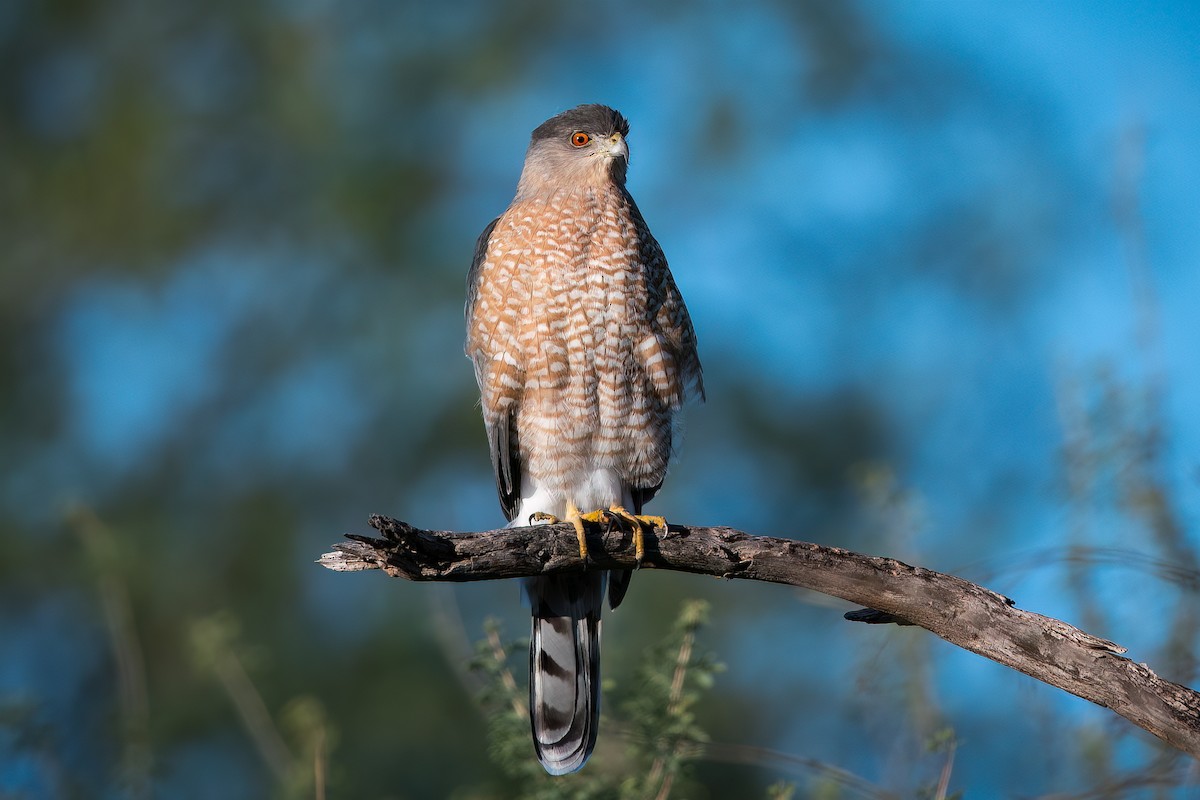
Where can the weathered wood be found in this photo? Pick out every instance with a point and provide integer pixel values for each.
(958, 611)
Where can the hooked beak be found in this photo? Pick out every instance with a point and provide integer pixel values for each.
(616, 147)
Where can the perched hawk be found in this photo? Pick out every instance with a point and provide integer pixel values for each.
(584, 354)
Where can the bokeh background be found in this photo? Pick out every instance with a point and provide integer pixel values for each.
(941, 258)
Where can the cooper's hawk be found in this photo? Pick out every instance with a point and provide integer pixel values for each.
(584, 354)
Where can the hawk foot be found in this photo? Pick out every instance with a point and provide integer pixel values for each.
(573, 517)
(618, 515)
(636, 523)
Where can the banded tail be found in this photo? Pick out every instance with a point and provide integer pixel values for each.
(564, 668)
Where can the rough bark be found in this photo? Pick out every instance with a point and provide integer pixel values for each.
(958, 611)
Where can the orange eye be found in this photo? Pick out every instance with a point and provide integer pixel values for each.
(579, 138)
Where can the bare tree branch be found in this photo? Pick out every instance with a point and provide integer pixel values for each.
(960, 612)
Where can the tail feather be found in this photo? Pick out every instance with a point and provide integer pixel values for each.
(564, 668)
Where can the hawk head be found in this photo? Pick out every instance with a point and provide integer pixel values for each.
(584, 146)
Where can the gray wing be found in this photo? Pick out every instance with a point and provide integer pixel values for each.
(481, 246)
(501, 432)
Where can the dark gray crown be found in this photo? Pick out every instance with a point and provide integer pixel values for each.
(595, 119)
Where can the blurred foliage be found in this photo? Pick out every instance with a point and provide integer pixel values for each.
(781, 791)
(232, 252)
(660, 709)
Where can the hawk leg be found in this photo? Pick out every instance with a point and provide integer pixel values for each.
(573, 517)
(637, 522)
(607, 516)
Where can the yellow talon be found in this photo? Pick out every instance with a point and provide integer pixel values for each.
(638, 522)
(639, 543)
(605, 515)
(577, 521)
(574, 517)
